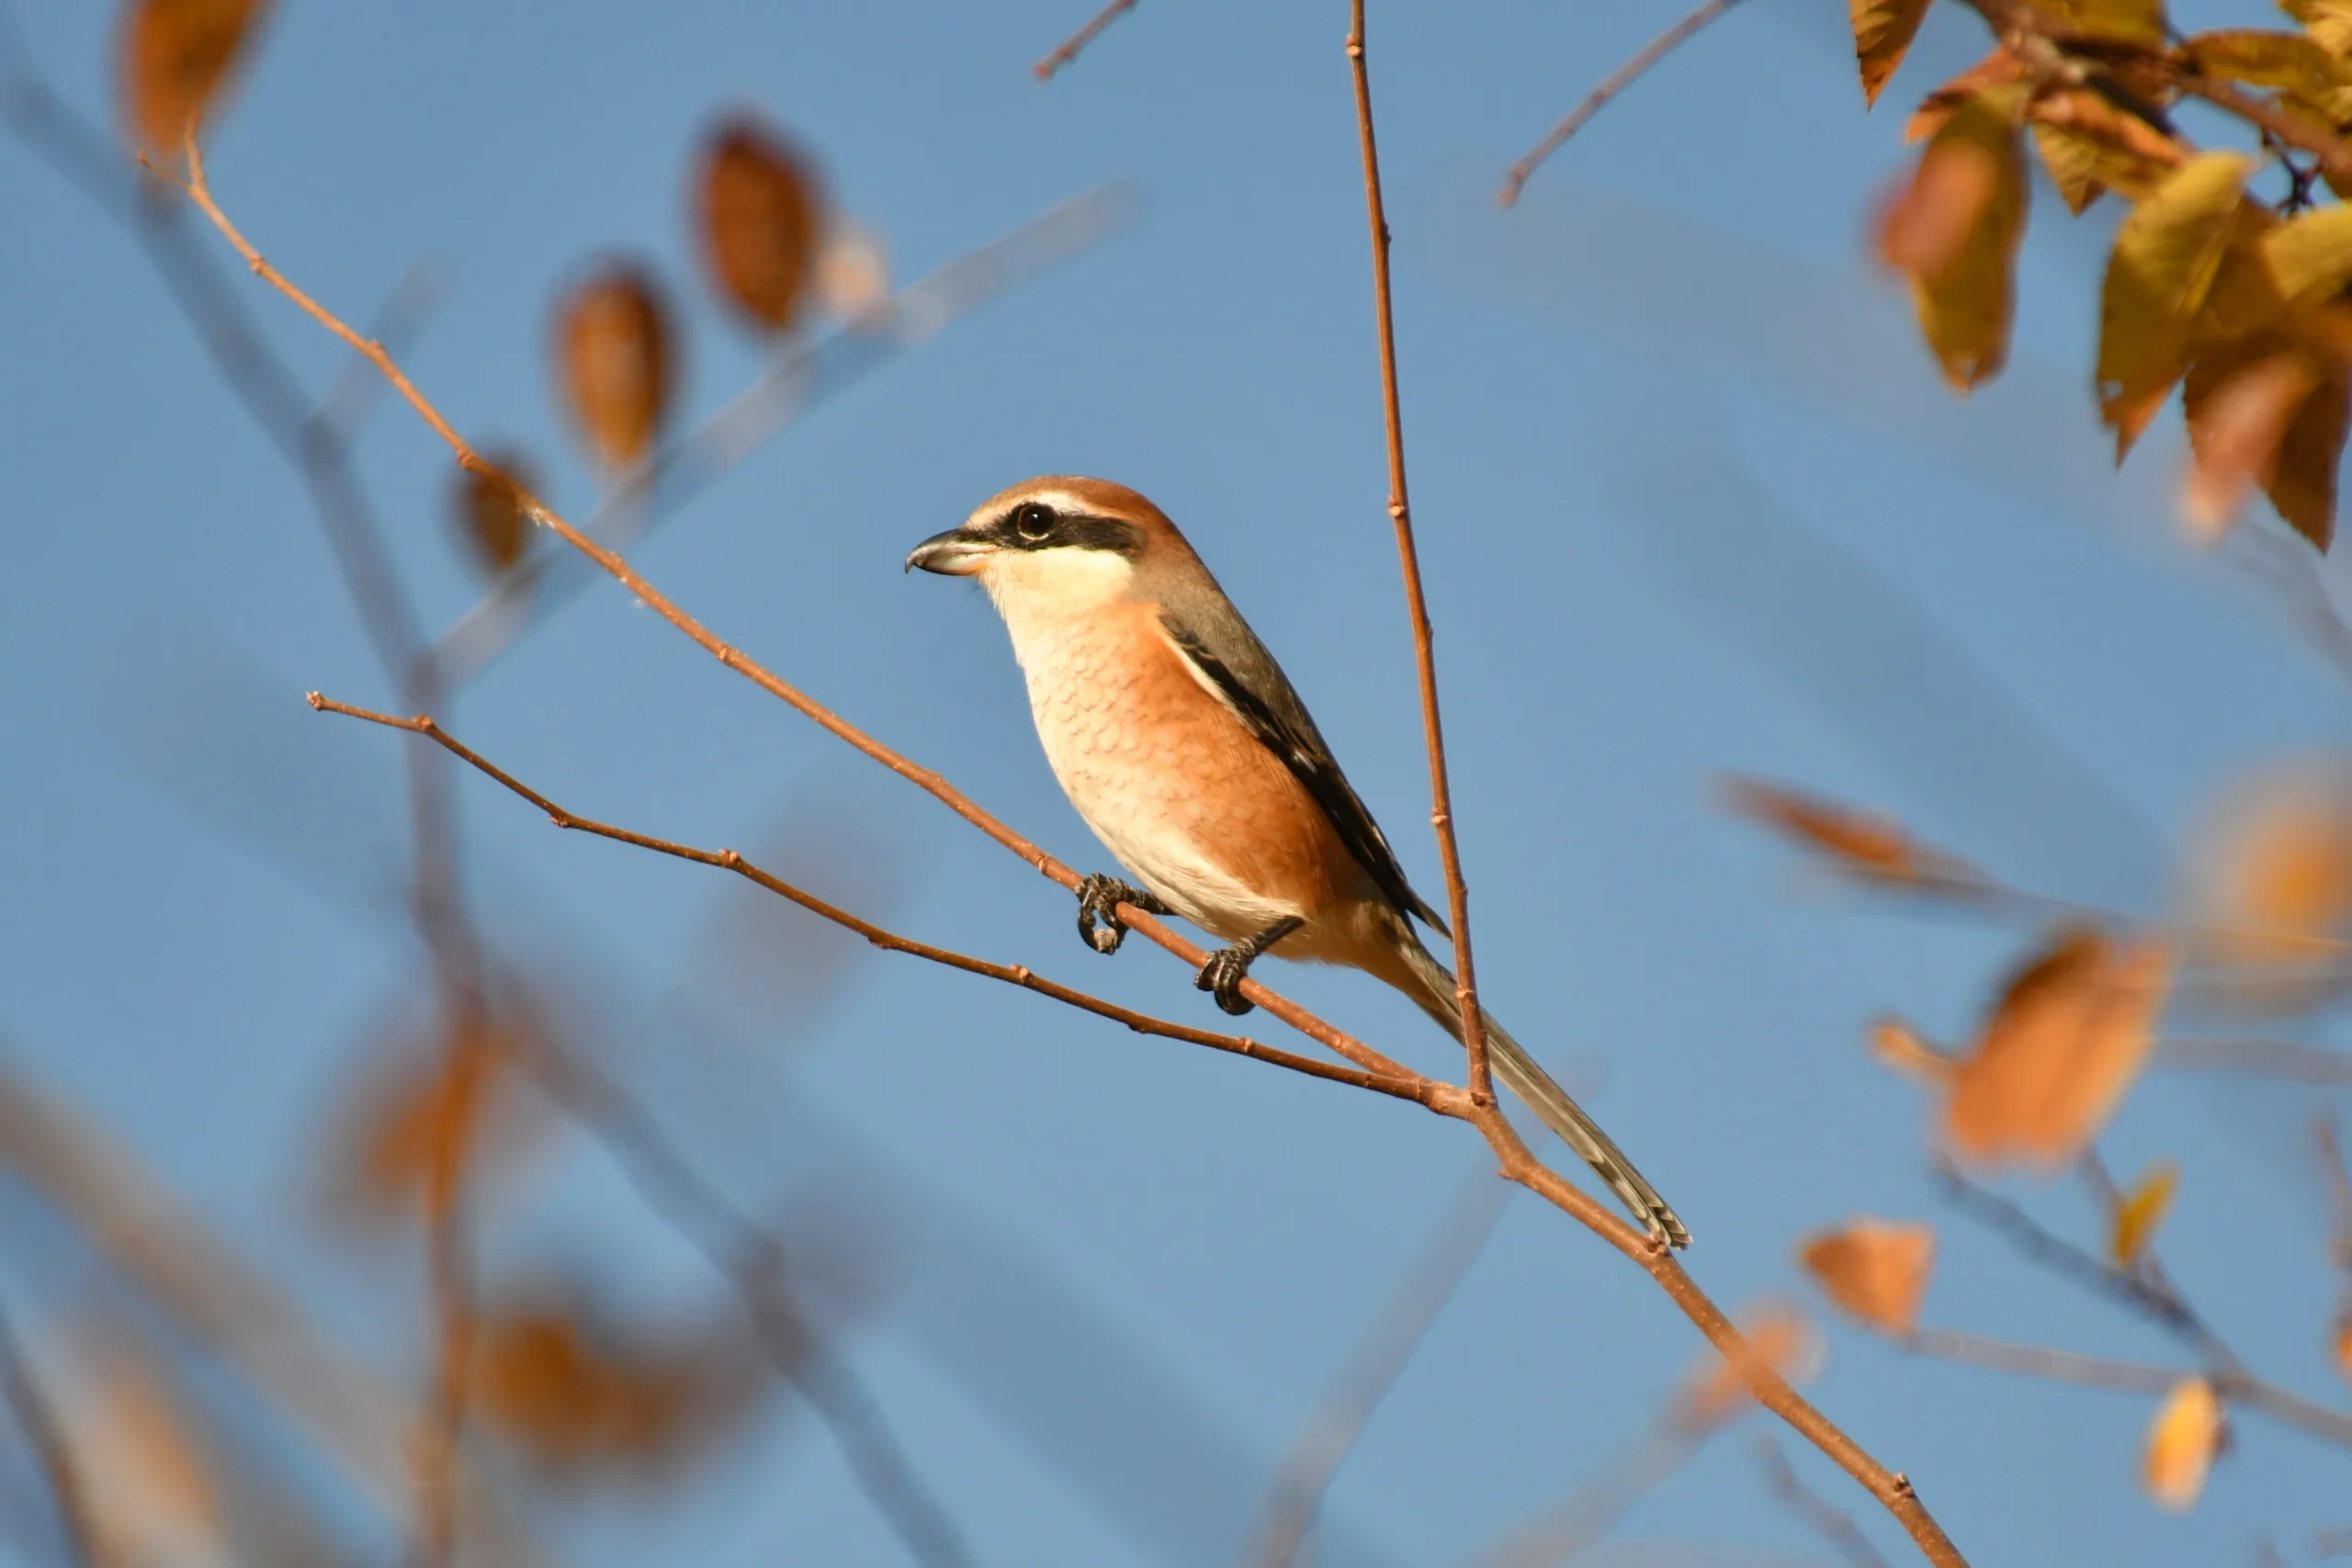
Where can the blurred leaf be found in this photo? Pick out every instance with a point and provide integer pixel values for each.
(2238, 418)
(762, 212)
(615, 356)
(2309, 255)
(148, 1493)
(1780, 1337)
(2064, 1041)
(2190, 1427)
(486, 512)
(2329, 22)
(2089, 146)
(583, 1401)
(174, 56)
(1882, 33)
(2303, 483)
(1875, 1269)
(1903, 1051)
(853, 271)
(1863, 843)
(1999, 69)
(2142, 1213)
(2273, 880)
(2340, 1348)
(2165, 256)
(2261, 58)
(1953, 229)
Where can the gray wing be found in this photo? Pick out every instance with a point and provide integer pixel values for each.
(1222, 647)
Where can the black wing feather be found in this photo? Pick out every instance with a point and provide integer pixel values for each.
(1263, 695)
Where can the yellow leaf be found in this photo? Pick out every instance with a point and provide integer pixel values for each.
(1903, 1051)
(2165, 256)
(2260, 58)
(2065, 1041)
(2127, 21)
(1883, 31)
(1874, 1268)
(2088, 145)
(2141, 1212)
(2309, 255)
(1953, 229)
(2329, 22)
(2301, 485)
(1997, 69)
(2188, 1430)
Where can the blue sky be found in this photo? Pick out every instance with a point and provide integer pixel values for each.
(1691, 500)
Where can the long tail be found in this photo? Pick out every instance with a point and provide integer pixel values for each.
(1432, 989)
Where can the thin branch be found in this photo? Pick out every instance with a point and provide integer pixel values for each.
(449, 1283)
(1892, 1490)
(2333, 153)
(2283, 1405)
(1616, 82)
(1842, 1534)
(1045, 69)
(1305, 1471)
(37, 1421)
(1400, 514)
(1444, 1098)
(2328, 1137)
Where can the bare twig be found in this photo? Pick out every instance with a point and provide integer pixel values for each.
(449, 1283)
(1841, 1533)
(1892, 1490)
(1400, 514)
(1616, 82)
(2041, 1362)
(1067, 52)
(1439, 1097)
(37, 1422)
(1303, 1474)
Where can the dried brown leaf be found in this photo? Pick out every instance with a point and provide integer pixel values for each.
(2190, 1427)
(616, 360)
(760, 212)
(426, 1125)
(486, 513)
(1875, 1269)
(2064, 1041)
(172, 57)
(2236, 427)
(1882, 33)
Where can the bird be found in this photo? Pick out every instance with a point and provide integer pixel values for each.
(1187, 752)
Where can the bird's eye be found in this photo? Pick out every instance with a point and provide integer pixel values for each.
(1033, 520)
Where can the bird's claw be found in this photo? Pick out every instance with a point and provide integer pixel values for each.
(1222, 976)
(1099, 897)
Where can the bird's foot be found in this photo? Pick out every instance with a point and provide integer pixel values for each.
(1099, 897)
(1222, 976)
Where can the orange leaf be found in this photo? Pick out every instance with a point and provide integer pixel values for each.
(2063, 1043)
(2142, 1213)
(2341, 1345)
(172, 57)
(2274, 872)
(1776, 1336)
(1875, 1269)
(486, 510)
(762, 212)
(1882, 33)
(615, 360)
(2237, 425)
(1860, 842)
(2190, 1428)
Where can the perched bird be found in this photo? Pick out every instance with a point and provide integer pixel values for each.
(1182, 745)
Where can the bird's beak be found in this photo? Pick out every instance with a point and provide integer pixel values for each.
(951, 554)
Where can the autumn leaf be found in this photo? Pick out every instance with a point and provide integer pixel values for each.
(1777, 1336)
(1875, 1269)
(2063, 1043)
(1903, 1051)
(2124, 21)
(1882, 33)
(2190, 1427)
(1999, 69)
(2273, 883)
(2329, 22)
(2237, 426)
(616, 360)
(422, 1127)
(486, 513)
(173, 58)
(1863, 843)
(2166, 255)
(2141, 1212)
(2262, 58)
(1953, 229)
(2089, 146)
(2309, 255)
(762, 221)
(2340, 1344)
